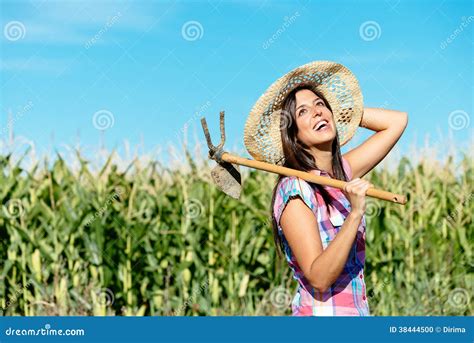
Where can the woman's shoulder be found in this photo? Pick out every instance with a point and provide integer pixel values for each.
(292, 186)
(293, 183)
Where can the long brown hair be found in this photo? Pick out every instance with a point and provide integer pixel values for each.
(297, 157)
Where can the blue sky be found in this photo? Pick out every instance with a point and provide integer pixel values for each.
(156, 67)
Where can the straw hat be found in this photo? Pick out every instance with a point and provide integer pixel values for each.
(262, 134)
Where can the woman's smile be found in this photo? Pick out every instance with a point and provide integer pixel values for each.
(322, 125)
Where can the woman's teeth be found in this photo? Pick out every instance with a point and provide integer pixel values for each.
(321, 125)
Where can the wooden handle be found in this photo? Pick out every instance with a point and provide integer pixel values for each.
(372, 192)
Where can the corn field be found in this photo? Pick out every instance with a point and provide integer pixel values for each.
(154, 240)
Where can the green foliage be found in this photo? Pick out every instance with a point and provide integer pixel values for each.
(156, 241)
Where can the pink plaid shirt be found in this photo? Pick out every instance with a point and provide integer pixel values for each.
(347, 296)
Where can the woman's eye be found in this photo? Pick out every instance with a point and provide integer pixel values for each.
(303, 111)
(320, 103)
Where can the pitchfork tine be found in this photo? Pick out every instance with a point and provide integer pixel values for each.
(206, 134)
(221, 120)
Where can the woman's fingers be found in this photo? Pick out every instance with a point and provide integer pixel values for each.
(362, 190)
(358, 186)
(351, 184)
(355, 182)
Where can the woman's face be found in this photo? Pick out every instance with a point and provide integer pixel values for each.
(314, 120)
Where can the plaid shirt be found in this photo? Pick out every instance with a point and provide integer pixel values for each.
(347, 295)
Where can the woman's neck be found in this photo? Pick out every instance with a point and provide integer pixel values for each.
(323, 158)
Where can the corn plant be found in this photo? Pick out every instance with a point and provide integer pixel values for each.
(154, 240)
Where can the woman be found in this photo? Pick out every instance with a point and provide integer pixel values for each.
(320, 229)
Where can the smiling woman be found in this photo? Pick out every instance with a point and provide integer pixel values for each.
(321, 230)
(330, 275)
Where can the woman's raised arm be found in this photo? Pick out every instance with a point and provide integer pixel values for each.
(389, 126)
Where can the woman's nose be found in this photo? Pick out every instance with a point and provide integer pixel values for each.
(317, 111)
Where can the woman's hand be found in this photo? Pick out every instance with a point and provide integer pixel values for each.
(355, 192)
